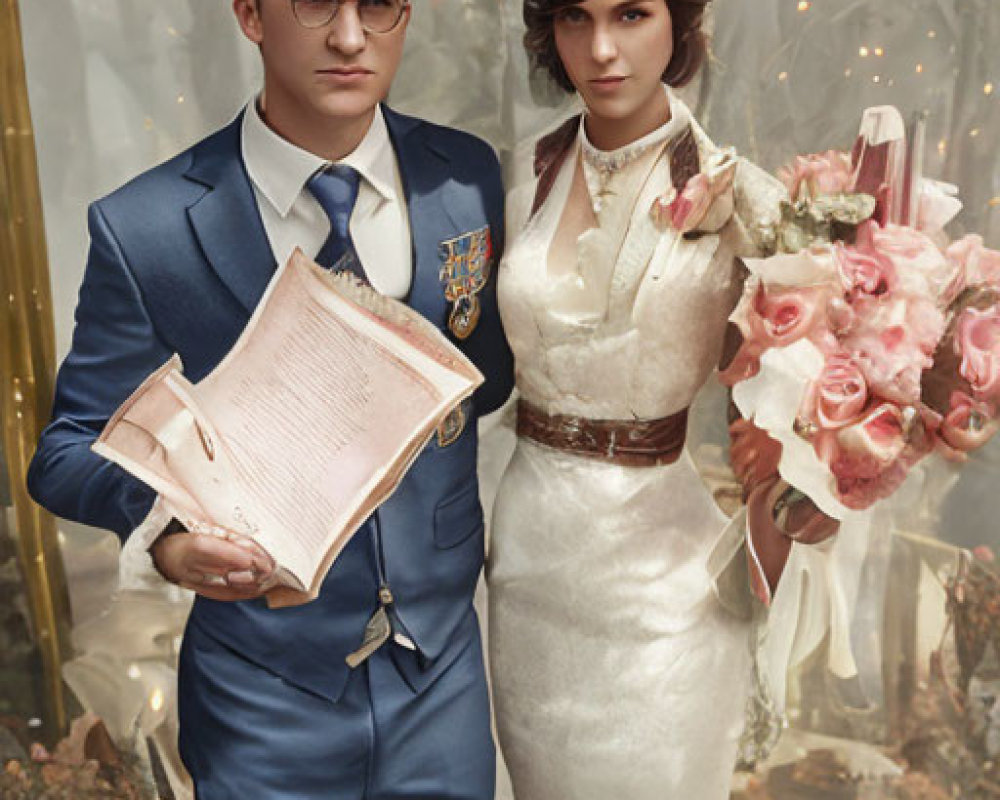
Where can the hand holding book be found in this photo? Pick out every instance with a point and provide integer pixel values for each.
(217, 564)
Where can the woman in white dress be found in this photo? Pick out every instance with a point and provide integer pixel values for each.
(617, 672)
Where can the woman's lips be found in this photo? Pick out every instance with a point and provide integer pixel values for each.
(607, 85)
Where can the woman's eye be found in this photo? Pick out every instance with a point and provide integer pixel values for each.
(633, 15)
(571, 15)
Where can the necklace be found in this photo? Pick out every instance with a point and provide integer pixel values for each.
(601, 166)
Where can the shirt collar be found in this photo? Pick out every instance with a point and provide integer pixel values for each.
(280, 169)
(374, 157)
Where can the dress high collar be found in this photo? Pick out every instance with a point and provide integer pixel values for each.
(600, 167)
(607, 161)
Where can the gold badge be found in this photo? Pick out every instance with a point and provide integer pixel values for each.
(452, 426)
(465, 269)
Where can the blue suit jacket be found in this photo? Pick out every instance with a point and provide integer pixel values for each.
(179, 259)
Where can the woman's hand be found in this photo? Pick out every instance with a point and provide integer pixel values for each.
(777, 514)
(753, 454)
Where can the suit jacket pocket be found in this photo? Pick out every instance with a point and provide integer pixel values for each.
(458, 517)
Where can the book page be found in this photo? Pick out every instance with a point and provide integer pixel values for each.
(305, 435)
(307, 424)
(149, 432)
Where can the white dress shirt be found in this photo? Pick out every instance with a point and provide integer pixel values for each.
(380, 226)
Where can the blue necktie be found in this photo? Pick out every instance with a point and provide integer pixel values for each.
(336, 189)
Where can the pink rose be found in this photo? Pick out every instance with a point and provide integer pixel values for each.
(864, 459)
(864, 270)
(977, 343)
(893, 341)
(977, 264)
(841, 392)
(706, 201)
(691, 205)
(818, 174)
(683, 212)
(774, 318)
(777, 318)
(921, 267)
(969, 424)
(870, 458)
(878, 436)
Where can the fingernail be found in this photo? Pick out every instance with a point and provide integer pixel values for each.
(240, 578)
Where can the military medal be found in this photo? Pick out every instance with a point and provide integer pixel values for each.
(464, 271)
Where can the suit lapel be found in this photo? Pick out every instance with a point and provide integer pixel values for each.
(229, 229)
(226, 219)
(432, 212)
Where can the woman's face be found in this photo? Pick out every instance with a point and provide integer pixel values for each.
(615, 53)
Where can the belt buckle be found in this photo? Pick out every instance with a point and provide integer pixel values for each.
(575, 430)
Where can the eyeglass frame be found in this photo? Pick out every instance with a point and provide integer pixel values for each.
(336, 10)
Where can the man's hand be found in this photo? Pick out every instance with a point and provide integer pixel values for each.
(219, 566)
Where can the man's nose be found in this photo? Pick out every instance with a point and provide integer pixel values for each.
(347, 34)
(603, 47)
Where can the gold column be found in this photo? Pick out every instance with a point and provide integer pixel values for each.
(27, 358)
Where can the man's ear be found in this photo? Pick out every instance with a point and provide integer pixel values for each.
(405, 21)
(248, 15)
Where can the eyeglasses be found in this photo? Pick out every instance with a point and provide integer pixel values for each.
(376, 16)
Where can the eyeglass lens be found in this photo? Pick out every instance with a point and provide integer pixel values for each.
(376, 16)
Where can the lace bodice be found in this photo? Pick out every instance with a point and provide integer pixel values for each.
(633, 328)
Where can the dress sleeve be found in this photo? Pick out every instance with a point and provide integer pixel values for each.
(757, 198)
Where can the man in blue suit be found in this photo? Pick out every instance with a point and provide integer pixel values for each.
(376, 689)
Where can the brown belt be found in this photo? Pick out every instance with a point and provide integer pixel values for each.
(630, 443)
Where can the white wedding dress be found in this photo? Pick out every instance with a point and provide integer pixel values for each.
(616, 672)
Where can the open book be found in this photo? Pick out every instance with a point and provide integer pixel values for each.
(302, 430)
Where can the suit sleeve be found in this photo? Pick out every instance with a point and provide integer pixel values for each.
(115, 347)
(487, 347)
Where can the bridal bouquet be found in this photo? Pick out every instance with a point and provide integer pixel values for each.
(870, 340)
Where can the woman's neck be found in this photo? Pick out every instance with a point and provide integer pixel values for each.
(611, 133)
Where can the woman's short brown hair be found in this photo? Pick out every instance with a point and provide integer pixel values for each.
(690, 46)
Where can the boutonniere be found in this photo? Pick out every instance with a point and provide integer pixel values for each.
(705, 203)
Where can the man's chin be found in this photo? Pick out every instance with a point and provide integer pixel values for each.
(347, 106)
